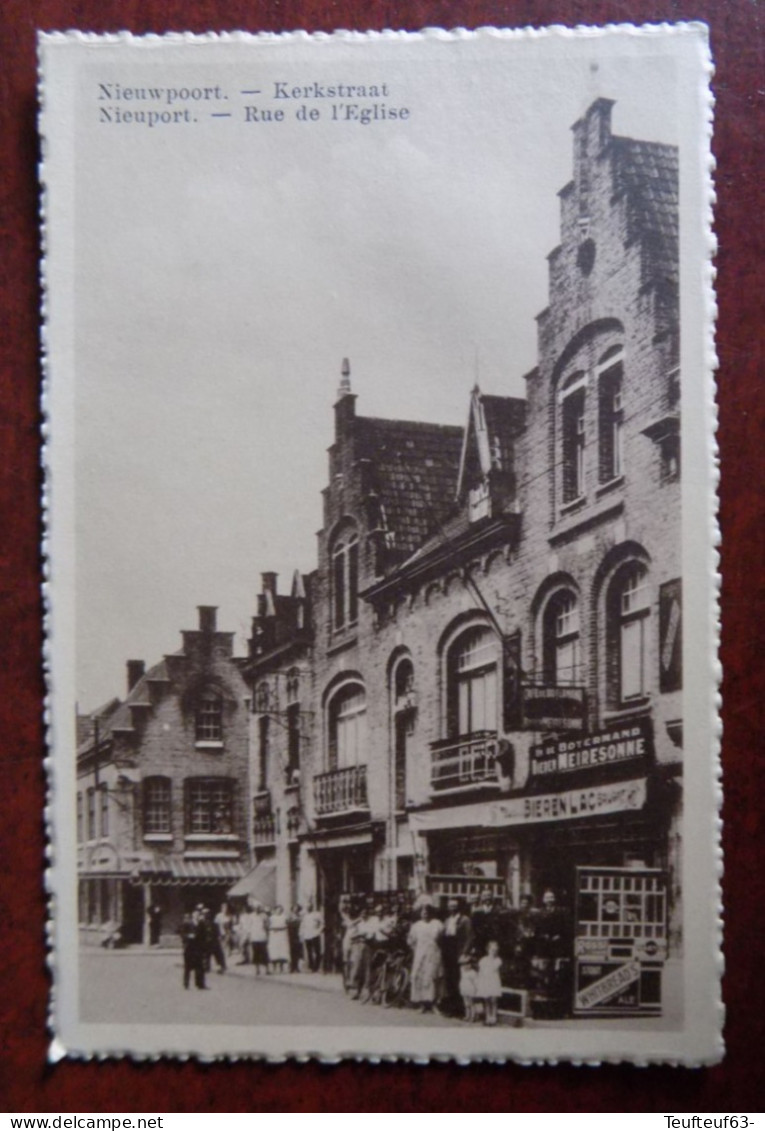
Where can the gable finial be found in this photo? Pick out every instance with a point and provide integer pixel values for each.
(344, 388)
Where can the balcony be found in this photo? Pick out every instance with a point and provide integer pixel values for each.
(340, 791)
(263, 831)
(463, 764)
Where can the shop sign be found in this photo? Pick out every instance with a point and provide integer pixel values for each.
(630, 745)
(609, 986)
(553, 708)
(569, 804)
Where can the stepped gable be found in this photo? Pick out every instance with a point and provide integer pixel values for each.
(648, 173)
(414, 474)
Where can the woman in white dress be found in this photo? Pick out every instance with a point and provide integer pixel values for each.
(427, 966)
(278, 940)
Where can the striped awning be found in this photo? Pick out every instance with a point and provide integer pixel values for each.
(260, 883)
(173, 869)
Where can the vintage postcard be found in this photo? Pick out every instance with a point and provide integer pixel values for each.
(380, 492)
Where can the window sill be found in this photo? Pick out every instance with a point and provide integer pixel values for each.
(573, 505)
(572, 524)
(209, 744)
(636, 707)
(219, 838)
(611, 485)
(340, 641)
(158, 838)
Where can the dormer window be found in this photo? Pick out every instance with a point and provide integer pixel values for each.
(345, 578)
(479, 501)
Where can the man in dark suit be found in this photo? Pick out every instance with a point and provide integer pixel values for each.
(456, 942)
(194, 937)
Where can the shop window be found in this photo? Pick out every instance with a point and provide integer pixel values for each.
(573, 432)
(562, 643)
(209, 806)
(156, 805)
(91, 813)
(80, 819)
(209, 717)
(82, 902)
(104, 804)
(629, 625)
(347, 727)
(611, 416)
(472, 674)
(345, 578)
(92, 901)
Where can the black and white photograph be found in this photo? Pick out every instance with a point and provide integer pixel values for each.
(381, 599)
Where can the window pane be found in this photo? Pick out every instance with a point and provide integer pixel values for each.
(209, 720)
(632, 659)
(339, 585)
(353, 582)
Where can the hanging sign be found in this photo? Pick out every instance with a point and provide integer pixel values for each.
(553, 708)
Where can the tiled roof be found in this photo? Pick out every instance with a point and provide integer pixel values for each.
(413, 472)
(648, 172)
(116, 715)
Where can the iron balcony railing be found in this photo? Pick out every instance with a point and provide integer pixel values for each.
(340, 791)
(264, 830)
(464, 763)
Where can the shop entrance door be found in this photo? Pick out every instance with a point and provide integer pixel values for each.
(620, 941)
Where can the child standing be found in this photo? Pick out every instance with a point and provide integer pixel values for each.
(489, 986)
(468, 985)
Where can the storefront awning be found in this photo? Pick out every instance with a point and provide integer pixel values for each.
(260, 883)
(177, 870)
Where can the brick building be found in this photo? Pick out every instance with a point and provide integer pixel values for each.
(163, 790)
(280, 674)
(497, 658)
(481, 684)
(543, 619)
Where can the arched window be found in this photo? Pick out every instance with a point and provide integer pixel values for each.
(404, 704)
(209, 717)
(345, 578)
(610, 415)
(561, 640)
(347, 727)
(473, 680)
(572, 409)
(629, 611)
(156, 805)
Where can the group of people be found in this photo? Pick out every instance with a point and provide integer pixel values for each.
(460, 958)
(272, 940)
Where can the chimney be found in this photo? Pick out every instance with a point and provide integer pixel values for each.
(207, 618)
(268, 582)
(135, 670)
(345, 405)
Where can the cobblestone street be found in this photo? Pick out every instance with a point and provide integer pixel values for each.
(136, 986)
